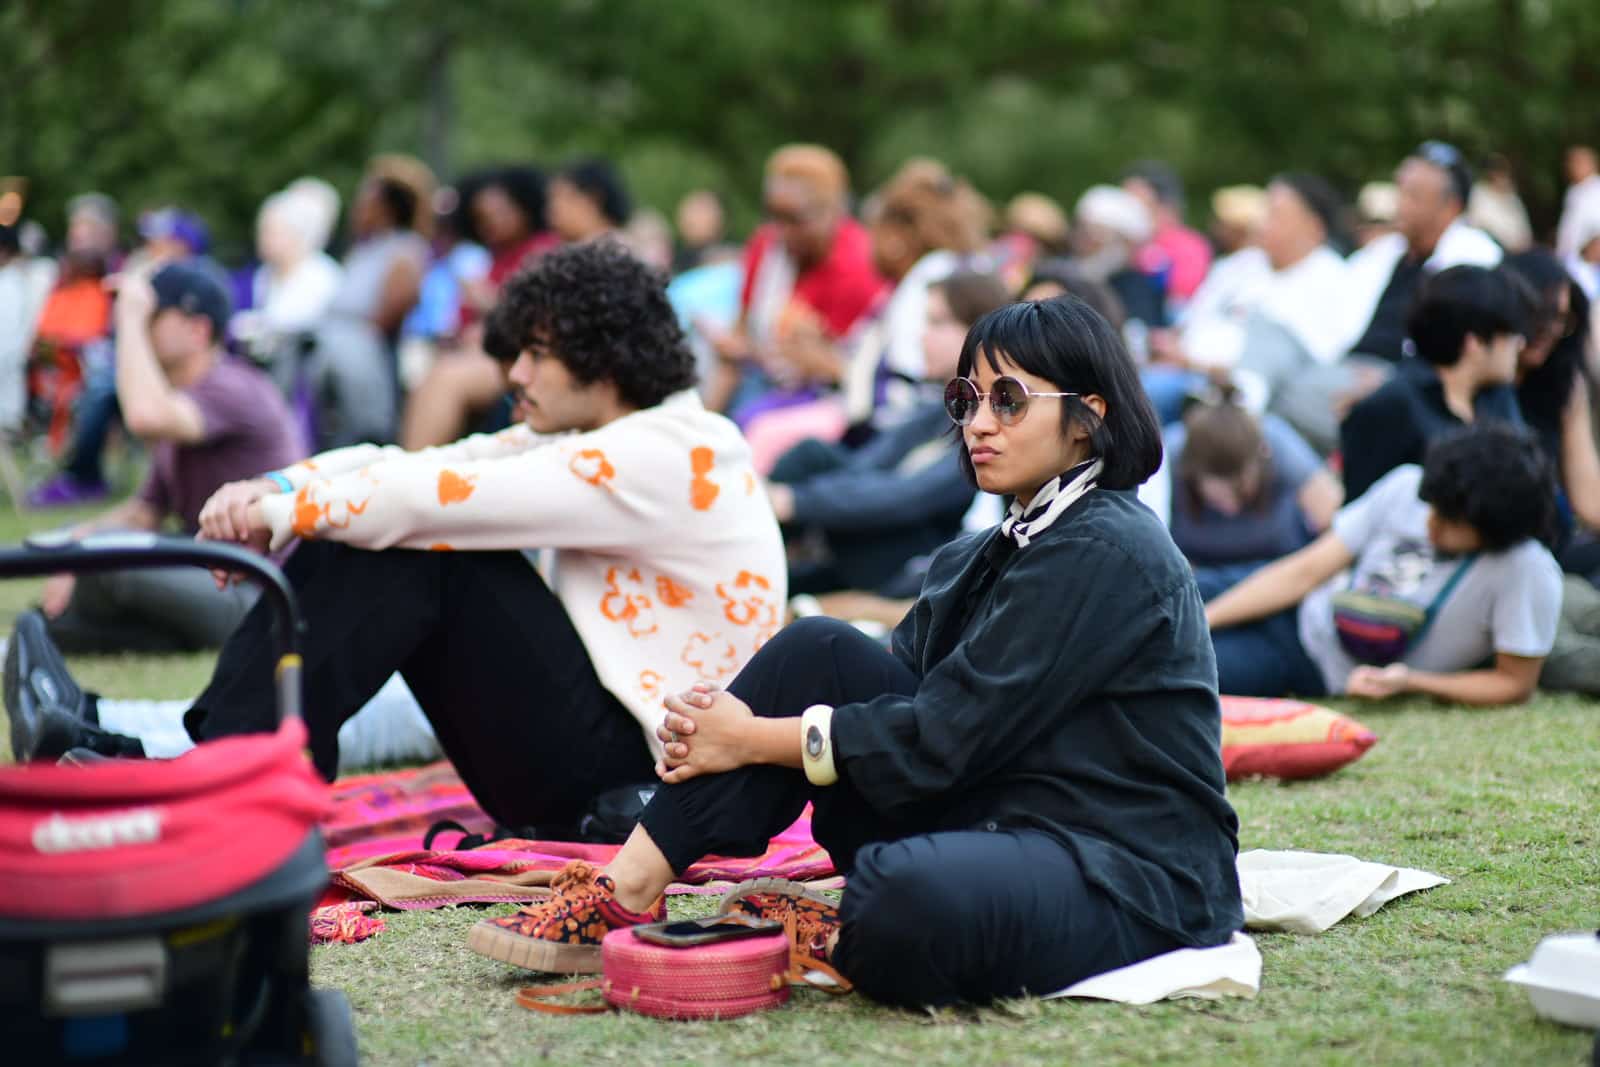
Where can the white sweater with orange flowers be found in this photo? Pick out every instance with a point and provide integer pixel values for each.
(667, 556)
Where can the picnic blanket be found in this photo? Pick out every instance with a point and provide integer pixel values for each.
(375, 837)
(375, 852)
(1283, 891)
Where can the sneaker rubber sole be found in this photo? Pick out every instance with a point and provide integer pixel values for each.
(532, 954)
(779, 886)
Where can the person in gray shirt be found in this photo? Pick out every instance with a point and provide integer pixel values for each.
(1462, 539)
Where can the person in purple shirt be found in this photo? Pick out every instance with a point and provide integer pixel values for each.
(207, 419)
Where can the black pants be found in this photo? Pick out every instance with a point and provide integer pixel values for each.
(930, 915)
(487, 648)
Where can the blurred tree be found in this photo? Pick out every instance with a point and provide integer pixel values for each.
(215, 103)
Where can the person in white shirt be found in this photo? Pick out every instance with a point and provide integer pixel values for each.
(1284, 280)
(297, 281)
(1582, 199)
(1496, 208)
(1366, 315)
(665, 566)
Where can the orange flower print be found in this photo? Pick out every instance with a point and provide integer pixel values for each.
(311, 516)
(650, 685)
(712, 657)
(338, 513)
(306, 513)
(593, 467)
(671, 594)
(749, 483)
(750, 603)
(636, 610)
(455, 488)
(702, 490)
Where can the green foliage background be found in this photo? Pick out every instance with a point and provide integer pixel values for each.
(214, 103)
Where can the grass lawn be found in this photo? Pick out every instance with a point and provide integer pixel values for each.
(1506, 804)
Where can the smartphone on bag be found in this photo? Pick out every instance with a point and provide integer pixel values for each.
(683, 933)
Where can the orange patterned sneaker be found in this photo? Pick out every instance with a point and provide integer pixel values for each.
(562, 932)
(809, 919)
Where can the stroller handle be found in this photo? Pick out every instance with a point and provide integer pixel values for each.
(45, 554)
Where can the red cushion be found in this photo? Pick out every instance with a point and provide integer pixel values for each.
(1288, 739)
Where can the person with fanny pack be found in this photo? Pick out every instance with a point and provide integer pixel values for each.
(1435, 581)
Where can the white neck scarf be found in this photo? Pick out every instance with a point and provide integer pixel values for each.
(1047, 504)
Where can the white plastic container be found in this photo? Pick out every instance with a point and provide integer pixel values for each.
(1563, 979)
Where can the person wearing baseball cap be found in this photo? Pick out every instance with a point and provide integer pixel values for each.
(207, 418)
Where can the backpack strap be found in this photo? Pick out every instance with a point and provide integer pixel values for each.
(1444, 594)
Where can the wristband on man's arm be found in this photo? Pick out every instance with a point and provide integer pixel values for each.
(281, 480)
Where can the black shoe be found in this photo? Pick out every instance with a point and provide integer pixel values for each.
(49, 712)
(36, 679)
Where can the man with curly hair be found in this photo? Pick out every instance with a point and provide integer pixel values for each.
(662, 563)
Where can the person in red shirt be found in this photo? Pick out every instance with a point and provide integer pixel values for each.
(1182, 254)
(808, 276)
(503, 210)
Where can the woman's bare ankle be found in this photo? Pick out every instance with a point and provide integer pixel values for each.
(640, 872)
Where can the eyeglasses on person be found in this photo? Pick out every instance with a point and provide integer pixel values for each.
(1008, 399)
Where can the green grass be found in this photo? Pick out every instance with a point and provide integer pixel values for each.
(1506, 804)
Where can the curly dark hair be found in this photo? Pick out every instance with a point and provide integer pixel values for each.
(523, 183)
(500, 334)
(605, 316)
(598, 180)
(1495, 478)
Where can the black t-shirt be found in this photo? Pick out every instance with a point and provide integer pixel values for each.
(1386, 333)
(1396, 423)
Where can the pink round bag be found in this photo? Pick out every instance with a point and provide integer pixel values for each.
(716, 981)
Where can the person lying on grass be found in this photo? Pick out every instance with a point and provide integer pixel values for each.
(667, 564)
(1028, 789)
(1436, 580)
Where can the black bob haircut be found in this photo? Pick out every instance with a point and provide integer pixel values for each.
(1495, 478)
(604, 314)
(1066, 342)
(1466, 302)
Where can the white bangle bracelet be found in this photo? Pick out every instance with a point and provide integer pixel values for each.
(816, 745)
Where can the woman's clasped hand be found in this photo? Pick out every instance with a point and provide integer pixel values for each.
(702, 734)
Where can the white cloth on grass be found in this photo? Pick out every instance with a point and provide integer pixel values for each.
(1291, 892)
(390, 728)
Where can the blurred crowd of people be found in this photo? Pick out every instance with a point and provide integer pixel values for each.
(1299, 354)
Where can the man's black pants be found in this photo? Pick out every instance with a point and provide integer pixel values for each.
(930, 915)
(485, 646)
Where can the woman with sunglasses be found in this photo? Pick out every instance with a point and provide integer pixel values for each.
(1028, 789)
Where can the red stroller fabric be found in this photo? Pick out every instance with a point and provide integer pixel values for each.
(131, 838)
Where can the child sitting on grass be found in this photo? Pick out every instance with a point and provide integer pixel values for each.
(1454, 551)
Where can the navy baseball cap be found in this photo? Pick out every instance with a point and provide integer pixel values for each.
(170, 223)
(192, 290)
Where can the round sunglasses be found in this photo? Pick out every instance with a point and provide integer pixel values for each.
(1008, 399)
